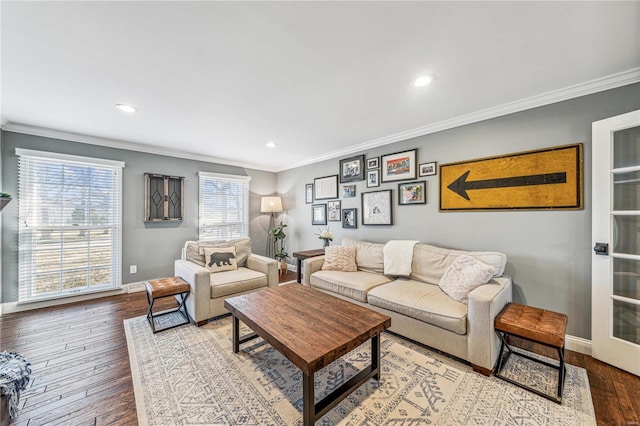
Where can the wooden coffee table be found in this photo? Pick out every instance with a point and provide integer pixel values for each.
(312, 329)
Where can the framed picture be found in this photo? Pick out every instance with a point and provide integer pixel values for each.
(325, 188)
(373, 163)
(352, 169)
(373, 178)
(349, 218)
(308, 193)
(399, 166)
(318, 214)
(376, 208)
(412, 193)
(427, 169)
(333, 211)
(348, 191)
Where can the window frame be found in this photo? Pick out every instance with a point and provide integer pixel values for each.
(207, 225)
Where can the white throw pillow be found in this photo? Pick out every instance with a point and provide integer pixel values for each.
(340, 258)
(463, 275)
(218, 259)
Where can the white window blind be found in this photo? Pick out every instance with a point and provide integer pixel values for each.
(223, 205)
(70, 225)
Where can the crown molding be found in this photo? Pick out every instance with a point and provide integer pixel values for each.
(131, 146)
(612, 81)
(598, 85)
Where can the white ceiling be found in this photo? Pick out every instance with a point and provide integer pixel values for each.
(217, 80)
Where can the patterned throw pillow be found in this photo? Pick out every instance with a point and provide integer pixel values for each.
(218, 259)
(340, 258)
(463, 275)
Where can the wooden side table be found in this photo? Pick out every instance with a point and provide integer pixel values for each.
(305, 254)
(536, 325)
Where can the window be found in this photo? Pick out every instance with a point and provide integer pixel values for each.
(224, 206)
(70, 225)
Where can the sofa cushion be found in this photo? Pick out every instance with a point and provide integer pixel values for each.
(430, 262)
(231, 282)
(220, 259)
(463, 275)
(353, 285)
(425, 302)
(369, 256)
(339, 258)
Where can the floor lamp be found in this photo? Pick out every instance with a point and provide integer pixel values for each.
(270, 205)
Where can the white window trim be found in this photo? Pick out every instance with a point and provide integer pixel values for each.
(227, 177)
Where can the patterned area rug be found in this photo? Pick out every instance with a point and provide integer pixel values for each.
(190, 376)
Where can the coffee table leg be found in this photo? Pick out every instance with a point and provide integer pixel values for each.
(308, 400)
(375, 356)
(235, 334)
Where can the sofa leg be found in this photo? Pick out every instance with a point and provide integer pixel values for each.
(481, 370)
(201, 323)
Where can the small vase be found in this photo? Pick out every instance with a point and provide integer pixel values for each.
(326, 244)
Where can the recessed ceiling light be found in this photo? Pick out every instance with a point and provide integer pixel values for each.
(423, 81)
(125, 108)
(271, 144)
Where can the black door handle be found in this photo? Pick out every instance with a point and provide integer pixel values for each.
(601, 249)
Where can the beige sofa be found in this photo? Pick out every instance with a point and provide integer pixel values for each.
(209, 289)
(418, 308)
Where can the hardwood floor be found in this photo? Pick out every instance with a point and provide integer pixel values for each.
(81, 373)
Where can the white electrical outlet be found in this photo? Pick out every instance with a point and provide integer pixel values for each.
(133, 269)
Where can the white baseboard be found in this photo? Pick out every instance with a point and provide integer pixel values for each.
(11, 307)
(577, 344)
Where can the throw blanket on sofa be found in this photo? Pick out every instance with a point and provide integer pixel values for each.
(398, 255)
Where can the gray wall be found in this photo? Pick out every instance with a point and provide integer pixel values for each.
(549, 252)
(151, 246)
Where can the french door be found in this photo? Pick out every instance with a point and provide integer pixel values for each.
(615, 270)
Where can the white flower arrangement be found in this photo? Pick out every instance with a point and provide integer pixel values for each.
(325, 235)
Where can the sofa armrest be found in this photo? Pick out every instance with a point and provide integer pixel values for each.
(267, 266)
(484, 304)
(199, 280)
(309, 266)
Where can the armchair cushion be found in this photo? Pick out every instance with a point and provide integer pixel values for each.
(194, 250)
(220, 258)
(231, 282)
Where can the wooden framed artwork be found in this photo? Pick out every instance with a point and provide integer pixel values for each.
(308, 193)
(548, 179)
(427, 169)
(373, 178)
(412, 193)
(377, 208)
(349, 218)
(325, 188)
(318, 214)
(348, 191)
(333, 211)
(373, 163)
(399, 166)
(352, 169)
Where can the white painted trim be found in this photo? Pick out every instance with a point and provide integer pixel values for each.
(577, 344)
(598, 85)
(612, 81)
(132, 146)
(223, 176)
(11, 307)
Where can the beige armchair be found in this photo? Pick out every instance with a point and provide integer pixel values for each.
(209, 289)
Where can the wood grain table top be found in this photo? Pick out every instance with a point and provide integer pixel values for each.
(311, 328)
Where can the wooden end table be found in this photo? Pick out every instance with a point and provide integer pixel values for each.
(307, 326)
(305, 254)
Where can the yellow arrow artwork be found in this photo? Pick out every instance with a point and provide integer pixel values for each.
(543, 179)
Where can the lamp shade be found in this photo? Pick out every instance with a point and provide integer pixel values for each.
(271, 205)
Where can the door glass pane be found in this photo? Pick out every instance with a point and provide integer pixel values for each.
(626, 278)
(626, 321)
(626, 234)
(626, 191)
(626, 148)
